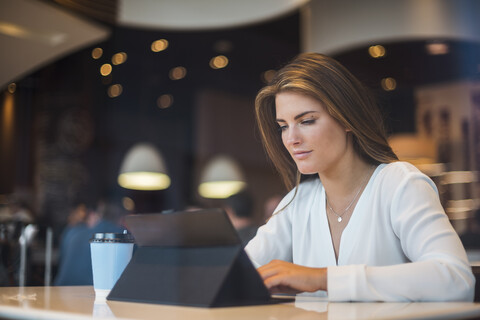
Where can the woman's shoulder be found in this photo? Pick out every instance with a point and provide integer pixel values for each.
(398, 169)
(300, 194)
(400, 173)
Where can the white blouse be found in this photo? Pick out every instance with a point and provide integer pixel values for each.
(398, 245)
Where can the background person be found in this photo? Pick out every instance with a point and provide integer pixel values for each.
(358, 223)
(270, 205)
(75, 265)
(239, 208)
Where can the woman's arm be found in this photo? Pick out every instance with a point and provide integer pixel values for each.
(274, 239)
(285, 277)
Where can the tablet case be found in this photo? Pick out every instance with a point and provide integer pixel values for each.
(189, 258)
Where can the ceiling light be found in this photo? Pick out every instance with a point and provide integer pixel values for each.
(437, 48)
(221, 178)
(268, 75)
(159, 45)
(128, 203)
(12, 87)
(165, 101)
(105, 69)
(143, 168)
(115, 90)
(389, 84)
(376, 51)
(218, 62)
(97, 53)
(119, 58)
(177, 73)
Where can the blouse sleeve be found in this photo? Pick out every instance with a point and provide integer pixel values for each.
(274, 239)
(439, 268)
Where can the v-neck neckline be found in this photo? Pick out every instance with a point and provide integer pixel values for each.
(353, 217)
(325, 228)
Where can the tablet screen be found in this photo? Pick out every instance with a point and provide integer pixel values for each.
(205, 227)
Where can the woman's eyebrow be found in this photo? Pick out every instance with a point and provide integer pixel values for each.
(297, 116)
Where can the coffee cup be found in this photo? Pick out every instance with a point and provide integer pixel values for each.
(110, 252)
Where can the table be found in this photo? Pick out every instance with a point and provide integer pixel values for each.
(79, 302)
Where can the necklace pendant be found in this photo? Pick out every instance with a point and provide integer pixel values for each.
(339, 219)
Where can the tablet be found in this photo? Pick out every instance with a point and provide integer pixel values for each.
(191, 258)
(204, 227)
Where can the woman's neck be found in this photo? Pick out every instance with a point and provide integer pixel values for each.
(344, 181)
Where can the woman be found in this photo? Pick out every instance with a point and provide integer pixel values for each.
(359, 224)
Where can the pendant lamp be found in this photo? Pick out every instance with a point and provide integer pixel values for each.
(143, 168)
(221, 178)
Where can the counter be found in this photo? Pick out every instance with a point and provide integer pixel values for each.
(79, 302)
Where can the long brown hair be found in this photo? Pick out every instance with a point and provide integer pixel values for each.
(345, 99)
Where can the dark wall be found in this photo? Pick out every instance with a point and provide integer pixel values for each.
(74, 136)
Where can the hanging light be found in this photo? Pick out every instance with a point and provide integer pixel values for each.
(221, 178)
(143, 168)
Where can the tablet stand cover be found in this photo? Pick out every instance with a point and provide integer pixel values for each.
(189, 258)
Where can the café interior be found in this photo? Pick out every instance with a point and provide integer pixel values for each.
(94, 91)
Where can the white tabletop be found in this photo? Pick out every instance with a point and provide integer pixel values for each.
(79, 303)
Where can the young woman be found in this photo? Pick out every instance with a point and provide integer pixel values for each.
(358, 225)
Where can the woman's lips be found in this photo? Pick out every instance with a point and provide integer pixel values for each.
(300, 155)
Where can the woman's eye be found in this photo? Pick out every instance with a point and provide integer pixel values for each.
(308, 121)
(282, 128)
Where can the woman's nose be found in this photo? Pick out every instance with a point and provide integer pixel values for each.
(292, 136)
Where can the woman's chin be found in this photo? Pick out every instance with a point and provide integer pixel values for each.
(306, 171)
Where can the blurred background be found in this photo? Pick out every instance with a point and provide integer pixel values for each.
(94, 91)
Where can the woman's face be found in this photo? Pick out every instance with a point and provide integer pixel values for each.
(315, 140)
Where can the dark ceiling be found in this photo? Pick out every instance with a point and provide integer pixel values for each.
(255, 49)
(410, 63)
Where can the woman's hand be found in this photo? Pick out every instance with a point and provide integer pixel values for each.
(285, 277)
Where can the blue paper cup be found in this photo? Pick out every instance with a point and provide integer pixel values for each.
(111, 253)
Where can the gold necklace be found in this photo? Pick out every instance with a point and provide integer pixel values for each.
(339, 216)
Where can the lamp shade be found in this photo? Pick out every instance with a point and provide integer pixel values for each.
(201, 14)
(143, 168)
(221, 178)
